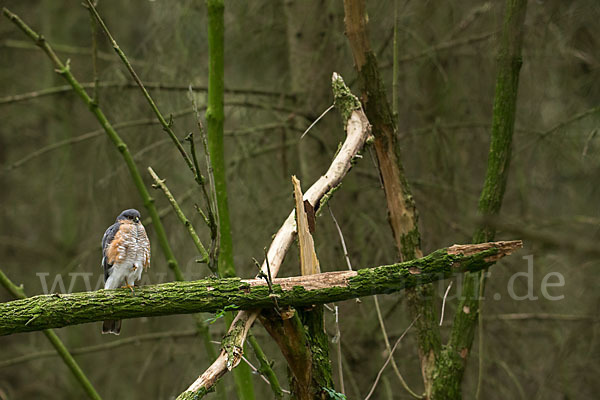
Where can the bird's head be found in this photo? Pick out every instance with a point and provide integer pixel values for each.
(130, 214)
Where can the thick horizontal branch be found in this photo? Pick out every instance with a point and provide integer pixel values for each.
(211, 295)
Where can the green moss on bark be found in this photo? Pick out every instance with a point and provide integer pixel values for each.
(194, 395)
(343, 98)
(211, 295)
(313, 324)
(451, 368)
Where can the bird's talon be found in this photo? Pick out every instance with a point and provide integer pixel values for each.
(127, 285)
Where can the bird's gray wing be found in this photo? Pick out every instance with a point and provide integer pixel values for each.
(108, 237)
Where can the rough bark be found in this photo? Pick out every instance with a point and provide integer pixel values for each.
(290, 335)
(212, 295)
(402, 211)
(300, 332)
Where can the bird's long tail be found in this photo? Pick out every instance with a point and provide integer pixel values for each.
(111, 326)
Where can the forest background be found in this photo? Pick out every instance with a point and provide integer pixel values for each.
(63, 182)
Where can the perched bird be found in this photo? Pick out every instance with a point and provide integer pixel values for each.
(125, 254)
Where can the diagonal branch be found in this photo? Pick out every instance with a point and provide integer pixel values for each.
(160, 184)
(64, 71)
(403, 216)
(357, 130)
(59, 346)
(166, 125)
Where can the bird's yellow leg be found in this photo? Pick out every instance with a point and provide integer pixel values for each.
(127, 285)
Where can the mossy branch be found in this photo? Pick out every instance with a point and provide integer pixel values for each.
(211, 295)
(214, 129)
(505, 101)
(266, 368)
(215, 116)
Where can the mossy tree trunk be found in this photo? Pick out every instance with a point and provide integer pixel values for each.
(214, 123)
(453, 359)
(402, 211)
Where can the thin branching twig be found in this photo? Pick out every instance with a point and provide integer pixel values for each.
(444, 303)
(390, 358)
(166, 125)
(317, 120)
(160, 184)
(65, 72)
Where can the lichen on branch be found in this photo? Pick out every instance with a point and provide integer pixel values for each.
(211, 295)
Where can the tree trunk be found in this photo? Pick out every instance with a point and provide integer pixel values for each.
(453, 359)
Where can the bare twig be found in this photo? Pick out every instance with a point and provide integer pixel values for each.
(317, 120)
(134, 340)
(390, 358)
(160, 184)
(469, 19)
(166, 125)
(337, 226)
(262, 376)
(591, 135)
(337, 338)
(66, 49)
(94, 29)
(444, 303)
(390, 350)
(338, 342)
(210, 200)
(447, 46)
(17, 98)
(542, 317)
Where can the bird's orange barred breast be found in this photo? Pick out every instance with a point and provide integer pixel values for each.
(117, 249)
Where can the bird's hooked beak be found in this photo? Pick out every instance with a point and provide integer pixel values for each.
(136, 219)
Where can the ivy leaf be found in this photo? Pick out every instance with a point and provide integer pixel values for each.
(221, 313)
(334, 395)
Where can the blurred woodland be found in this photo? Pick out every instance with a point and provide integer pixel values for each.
(63, 183)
